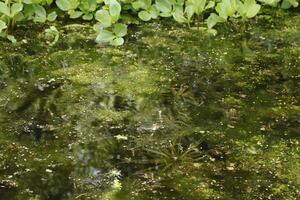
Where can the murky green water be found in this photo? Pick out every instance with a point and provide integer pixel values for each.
(173, 114)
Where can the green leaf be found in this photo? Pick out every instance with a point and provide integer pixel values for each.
(2, 25)
(15, 9)
(189, 11)
(178, 14)
(213, 19)
(114, 8)
(88, 6)
(4, 9)
(52, 35)
(40, 13)
(286, 4)
(64, 5)
(117, 41)
(104, 18)
(141, 4)
(144, 15)
(88, 16)
(253, 8)
(227, 8)
(52, 16)
(164, 6)
(198, 5)
(105, 36)
(210, 4)
(154, 12)
(11, 38)
(74, 14)
(248, 9)
(120, 29)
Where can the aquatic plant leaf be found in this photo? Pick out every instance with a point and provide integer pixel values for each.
(88, 5)
(52, 16)
(64, 5)
(210, 4)
(52, 35)
(164, 6)
(117, 41)
(104, 18)
(178, 14)
(114, 8)
(154, 12)
(213, 19)
(15, 9)
(189, 11)
(74, 14)
(40, 13)
(11, 38)
(198, 5)
(226, 8)
(88, 16)
(144, 15)
(120, 29)
(4, 9)
(141, 4)
(286, 4)
(248, 9)
(105, 36)
(2, 25)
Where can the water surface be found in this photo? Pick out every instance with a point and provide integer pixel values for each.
(175, 113)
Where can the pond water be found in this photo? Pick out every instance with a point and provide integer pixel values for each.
(175, 113)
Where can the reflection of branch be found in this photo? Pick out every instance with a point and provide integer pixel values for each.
(42, 91)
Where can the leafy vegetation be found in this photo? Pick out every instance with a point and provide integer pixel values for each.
(109, 15)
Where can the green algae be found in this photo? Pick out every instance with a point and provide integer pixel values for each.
(172, 114)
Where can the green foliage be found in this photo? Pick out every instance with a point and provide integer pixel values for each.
(233, 9)
(113, 37)
(52, 35)
(108, 13)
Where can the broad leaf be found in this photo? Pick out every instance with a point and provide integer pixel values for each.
(105, 36)
(4, 9)
(64, 5)
(213, 19)
(2, 25)
(144, 15)
(117, 41)
(104, 18)
(120, 29)
(15, 9)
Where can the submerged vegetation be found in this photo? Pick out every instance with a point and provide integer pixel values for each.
(176, 112)
(110, 17)
(169, 115)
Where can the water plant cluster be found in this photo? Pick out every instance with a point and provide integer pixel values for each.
(109, 16)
